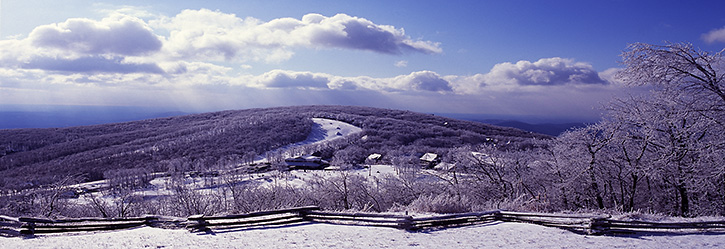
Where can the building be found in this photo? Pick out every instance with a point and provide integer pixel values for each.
(306, 162)
(429, 160)
(373, 158)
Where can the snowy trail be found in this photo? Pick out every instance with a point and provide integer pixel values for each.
(324, 130)
(492, 235)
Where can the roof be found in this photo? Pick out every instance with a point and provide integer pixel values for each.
(374, 156)
(445, 166)
(429, 157)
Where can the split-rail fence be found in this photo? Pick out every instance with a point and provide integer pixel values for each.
(586, 224)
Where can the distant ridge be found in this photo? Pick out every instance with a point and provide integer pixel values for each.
(548, 128)
(17, 117)
(544, 125)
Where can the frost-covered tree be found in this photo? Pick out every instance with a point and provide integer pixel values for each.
(681, 76)
(661, 151)
(683, 119)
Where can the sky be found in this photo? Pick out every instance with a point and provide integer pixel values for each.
(517, 58)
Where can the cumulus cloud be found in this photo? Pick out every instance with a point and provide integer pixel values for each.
(117, 34)
(716, 35)
(422, 81)
(291, 79)
(358, 33)
(547, 71)
(123, 43)
(114, 44)
(213, 35)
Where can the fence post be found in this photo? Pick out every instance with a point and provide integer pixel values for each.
(27, 227)
(200, 223)
(407, 223)
(151, 221)
(598, 225)
(497, 216)
(304, 215)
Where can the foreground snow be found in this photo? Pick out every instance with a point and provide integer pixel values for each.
(492, 235)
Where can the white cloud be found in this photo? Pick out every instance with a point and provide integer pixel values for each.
(291, 79)
(421, 81)
(213, 35)
(547, 71)
(124, 43)
(715, 35)
(401, 63)
(117, 34)
(523, 74)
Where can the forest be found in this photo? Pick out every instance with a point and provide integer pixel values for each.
(659, 152)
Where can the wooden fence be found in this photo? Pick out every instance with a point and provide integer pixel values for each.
(588, 224)
(9, 226)
(264, 218)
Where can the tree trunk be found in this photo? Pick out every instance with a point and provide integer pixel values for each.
(684, 199)
(595, 187)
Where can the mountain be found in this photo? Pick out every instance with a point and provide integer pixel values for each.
(552, 129)
(39, 156)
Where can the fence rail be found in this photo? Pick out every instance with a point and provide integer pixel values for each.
(9, 226)
(263, 218)
(589, 224)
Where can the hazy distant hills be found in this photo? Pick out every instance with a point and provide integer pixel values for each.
(32, 157)
(545, 125)
(548, 129)
(14, 117)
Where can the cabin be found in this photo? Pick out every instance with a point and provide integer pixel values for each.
(306, 162)
(447, 167)
(373, 158)
(429, 160)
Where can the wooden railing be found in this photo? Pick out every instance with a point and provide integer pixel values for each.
(9, 226)
(264, 218)
(588, 224)
(360, 219)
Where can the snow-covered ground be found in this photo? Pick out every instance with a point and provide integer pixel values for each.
(324, 130)
(329, 129)
(492, 235)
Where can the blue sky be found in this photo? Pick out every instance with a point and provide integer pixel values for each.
(540, 58)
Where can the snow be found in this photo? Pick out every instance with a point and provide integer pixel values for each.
(328, 129)
(324, 130)
(315, 235)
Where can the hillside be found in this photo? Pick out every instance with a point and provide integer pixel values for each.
(35, 157)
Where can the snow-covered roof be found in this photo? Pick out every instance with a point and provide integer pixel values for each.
(374, 156)
(429, 157)
(445, 166)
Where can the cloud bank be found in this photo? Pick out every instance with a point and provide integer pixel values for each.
(198, 58)
(132, 44)
(212, 35)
